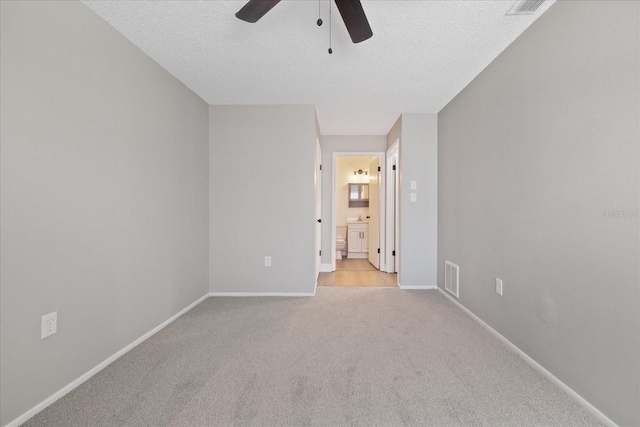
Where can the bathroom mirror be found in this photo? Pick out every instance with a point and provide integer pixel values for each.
(358, 195)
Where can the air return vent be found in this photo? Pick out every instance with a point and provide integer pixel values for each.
(525, 7)
(452, 278)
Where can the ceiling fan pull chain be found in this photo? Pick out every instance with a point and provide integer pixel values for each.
(330, 50)
(319, 21)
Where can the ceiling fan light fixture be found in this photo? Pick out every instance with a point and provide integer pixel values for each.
(255, 9)
(351, 11)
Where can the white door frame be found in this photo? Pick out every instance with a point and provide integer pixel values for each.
(318, 209)
(381, 155)
(392, 226)
(376, 259)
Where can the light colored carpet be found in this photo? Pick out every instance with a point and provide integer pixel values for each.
(349, 356)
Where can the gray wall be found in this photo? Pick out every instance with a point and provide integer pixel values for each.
(418, 161)
(418, 155)
(395, 132)
(336, 143)
(104, 196)
(532, 154)
(261, 198)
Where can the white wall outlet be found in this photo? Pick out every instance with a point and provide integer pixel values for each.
(498, 286)
(413, 185)
(413, 197)
(267, 261)
(49, 325)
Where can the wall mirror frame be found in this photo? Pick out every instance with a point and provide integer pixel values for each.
(358, 195)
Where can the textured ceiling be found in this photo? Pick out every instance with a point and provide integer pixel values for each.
(421, 55)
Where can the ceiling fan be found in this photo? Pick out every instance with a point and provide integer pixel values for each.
(351, 10)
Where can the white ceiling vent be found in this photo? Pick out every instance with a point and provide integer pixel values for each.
(525, 7)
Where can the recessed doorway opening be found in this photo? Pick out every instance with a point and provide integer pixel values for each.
(358, 221)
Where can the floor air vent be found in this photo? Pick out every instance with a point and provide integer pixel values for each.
(452, 278)
(525, 7)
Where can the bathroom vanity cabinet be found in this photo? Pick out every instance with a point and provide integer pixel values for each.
(358, 240)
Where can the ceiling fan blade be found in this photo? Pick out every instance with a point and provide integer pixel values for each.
(354, 19)
(255, 9)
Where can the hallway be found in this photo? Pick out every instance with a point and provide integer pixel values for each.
(356, 272)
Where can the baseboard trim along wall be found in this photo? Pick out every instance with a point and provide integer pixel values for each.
(325, 268)
(535, 365)
(262, 294)
(74, 384)
(84, 377)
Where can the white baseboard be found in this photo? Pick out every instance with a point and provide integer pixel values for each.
(84, 377)
(325, 268)
(262, 294)
(535, 365)
(416, 287)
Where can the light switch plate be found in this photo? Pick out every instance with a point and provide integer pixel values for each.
(414, 185)
(413, 197)
(498, 286)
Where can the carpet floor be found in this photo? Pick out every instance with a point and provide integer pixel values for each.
(349, 356)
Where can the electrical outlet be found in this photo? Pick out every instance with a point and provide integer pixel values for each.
(498, 286)
(413, 197)
(267, 261)
(413, 185)
(49, 325)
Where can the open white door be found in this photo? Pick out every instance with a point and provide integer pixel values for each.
(318, 206)
(374, 213)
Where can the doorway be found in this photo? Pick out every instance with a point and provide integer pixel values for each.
(358, 221)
